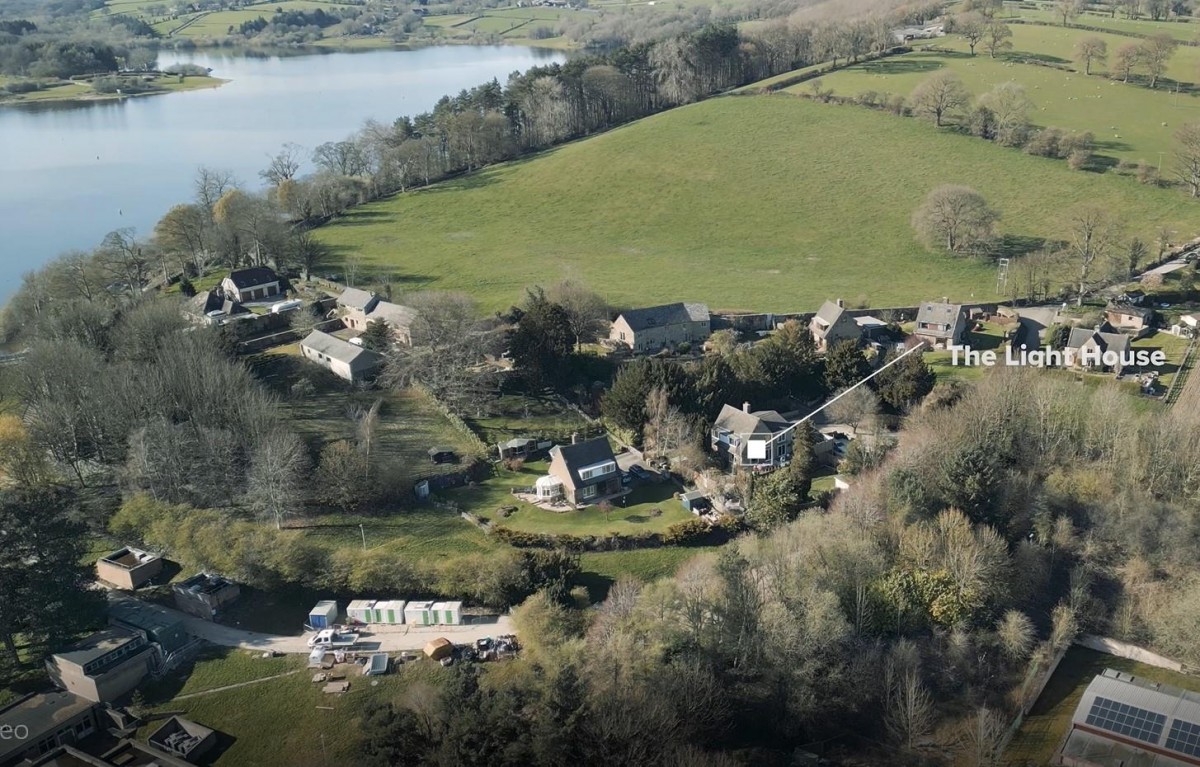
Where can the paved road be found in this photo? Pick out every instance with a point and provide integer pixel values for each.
(382, 638)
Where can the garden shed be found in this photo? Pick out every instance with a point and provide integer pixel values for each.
(360, 611)
(695, 501)
(442, 454)
(448, 613)
(324, 615)
(419, 614)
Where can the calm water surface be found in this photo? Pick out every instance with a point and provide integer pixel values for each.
(69, 173)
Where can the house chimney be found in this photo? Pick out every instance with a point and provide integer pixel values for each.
(841, 304)
(745, 407)
(574, 438)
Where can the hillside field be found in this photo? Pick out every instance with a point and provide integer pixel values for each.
(755, 202)
(1129, 120)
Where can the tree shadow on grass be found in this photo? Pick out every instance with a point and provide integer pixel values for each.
(1022, 57)
(1015, 246)
(903, 66)
(1101, 163)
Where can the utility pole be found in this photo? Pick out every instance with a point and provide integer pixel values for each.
(363, 531)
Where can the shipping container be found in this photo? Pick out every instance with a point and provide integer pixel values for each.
(391, 613)
(324, 615)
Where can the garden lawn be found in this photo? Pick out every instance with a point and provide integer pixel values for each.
(1173, 346)
(1129, 121)
(765, 203)
(601, 569)
(1050, 716)
(631, 515)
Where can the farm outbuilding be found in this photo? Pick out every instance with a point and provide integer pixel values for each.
(360, 611)
(419, 614)
(447, 613)
(439, 648)
(324, 615)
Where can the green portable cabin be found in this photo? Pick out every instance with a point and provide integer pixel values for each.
(419, 614)
(359, 611)
(447, 613)
(392, 612)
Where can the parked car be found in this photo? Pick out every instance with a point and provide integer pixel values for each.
(639, 472)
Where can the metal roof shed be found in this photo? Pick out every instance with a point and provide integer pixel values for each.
(323, 615)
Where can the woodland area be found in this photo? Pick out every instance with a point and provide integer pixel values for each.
(897, 628)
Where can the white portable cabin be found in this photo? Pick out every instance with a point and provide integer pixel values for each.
(324, 615)
(448, 613)
(389, 613)
(419, 614)
(359, 611)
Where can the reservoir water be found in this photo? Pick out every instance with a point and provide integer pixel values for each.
(71, 172)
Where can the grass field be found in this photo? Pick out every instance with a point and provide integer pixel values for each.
(410, 422)
(738, 202)
(1119, 24)
(285, 722)
(1050, 717)
(1129, 121)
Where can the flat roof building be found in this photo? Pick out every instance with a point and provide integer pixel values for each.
(205, 595)
(128, 568)
(103, 667)
(159, 626)
(48, 720)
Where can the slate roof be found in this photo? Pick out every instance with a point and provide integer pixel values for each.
(353, 298)
(1143, 312)
(1116, 342)
(250, 278)
(582, 454)
(393, 314)
(938, 314)
(668, 314)
(336, 348)
(830, 313)
(761, 422)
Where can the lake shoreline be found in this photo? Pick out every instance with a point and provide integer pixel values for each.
(72, 94)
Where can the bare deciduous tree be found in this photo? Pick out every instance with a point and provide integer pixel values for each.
(587, 312)
(1090, 50)
(273, 482)
(939, 96)
(954, 217)
(1092, 233)
(1187, 158)
(1155, 53)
